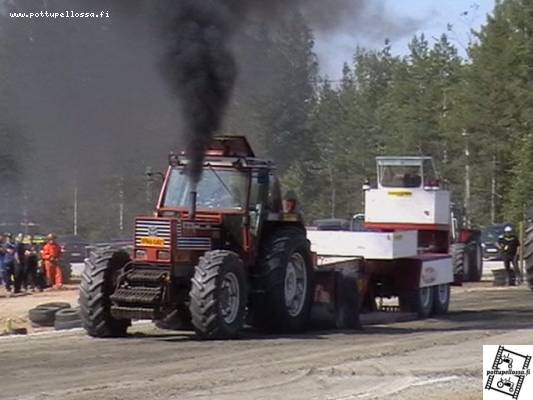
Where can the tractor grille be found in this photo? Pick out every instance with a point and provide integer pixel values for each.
(149, 228)
(149, 231)
(192, 243)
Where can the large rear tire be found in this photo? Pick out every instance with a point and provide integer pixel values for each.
(283, 285)
(218, 295)
(97, 284)
(528, 255)
(460, 262)
(475, 262)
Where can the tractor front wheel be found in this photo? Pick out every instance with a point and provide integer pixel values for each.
(218, 295)
(97, 284)
(283, 285)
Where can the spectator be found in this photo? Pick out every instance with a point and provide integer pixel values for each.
(509, 245)
(20, 263)
(51, 254)
(34, 277)
(9, 261)
(2, 254)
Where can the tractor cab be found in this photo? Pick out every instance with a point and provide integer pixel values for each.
(235, 200)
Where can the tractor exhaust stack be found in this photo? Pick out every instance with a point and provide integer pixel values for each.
(192, 209)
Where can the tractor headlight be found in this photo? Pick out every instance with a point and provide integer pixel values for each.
(140, 254)
(163, 255)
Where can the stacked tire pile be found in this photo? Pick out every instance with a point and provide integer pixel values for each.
(57, 314)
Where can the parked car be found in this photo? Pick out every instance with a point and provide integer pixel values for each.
(73, 248)
(489, 241)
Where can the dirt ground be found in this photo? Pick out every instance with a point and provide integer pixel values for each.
(429, 359)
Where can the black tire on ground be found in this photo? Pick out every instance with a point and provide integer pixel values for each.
(60, 305)
(460, 262)
(97, 284)
(475, 262)
(419, 301)
(68, 314)
(283, 284)
(347, 310)
(218, 295)
(441, 300)
(528, 255)
(44, 316)
(61, 325)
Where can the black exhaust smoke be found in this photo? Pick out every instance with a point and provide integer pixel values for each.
(201, 65)
(202, 71)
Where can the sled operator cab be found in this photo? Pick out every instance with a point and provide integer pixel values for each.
(409, 196)
(405, 245)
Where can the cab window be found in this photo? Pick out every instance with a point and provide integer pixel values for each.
(400, 176)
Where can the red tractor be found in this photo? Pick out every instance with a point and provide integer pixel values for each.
(213, 255)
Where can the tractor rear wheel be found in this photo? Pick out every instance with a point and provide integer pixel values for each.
(419, 301)
(475, 262)
(460, 262)
(283, 284)
(528, 255)
(218, 295)
(97, 284)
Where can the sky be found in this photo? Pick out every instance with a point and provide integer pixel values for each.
(430, 17)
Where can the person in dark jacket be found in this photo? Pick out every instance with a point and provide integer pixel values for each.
(9, 262)
(34, 278)
(509, 244)
(20, 263)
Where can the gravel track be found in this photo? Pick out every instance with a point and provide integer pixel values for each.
(431, 359)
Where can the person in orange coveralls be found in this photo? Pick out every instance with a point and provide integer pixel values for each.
(51, 253)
